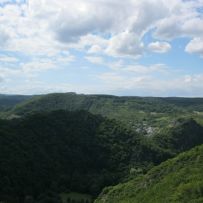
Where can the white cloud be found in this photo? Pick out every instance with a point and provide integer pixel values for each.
(79, 18)
(184, 20)
(4, 38)
(7, 59)
(8, 74)
(5, 1)
(159, 47)
(187, 85)
(35, 67)
(122, 66)
(1, 79)
(94, 43)
(41, 64)
(195, 46)
(112, 27)
(146, 13)
(140, 69)
(125, 44)
(95, 60)
(43, 32)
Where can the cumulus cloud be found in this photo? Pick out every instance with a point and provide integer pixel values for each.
(125, 44)
(184, 20)
(114, 27)
(78, 18)
(159, 47)
(107, 32)
(94, 43)
(147, 14)
(195, 46)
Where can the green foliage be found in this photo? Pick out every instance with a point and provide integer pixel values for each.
(145, 115)
(183, 134)
(60, 151)
(129, 110)
(9, 101)
(44, 153)
(178, 180)
(64, 151)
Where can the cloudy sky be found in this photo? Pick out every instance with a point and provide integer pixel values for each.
(131, 47)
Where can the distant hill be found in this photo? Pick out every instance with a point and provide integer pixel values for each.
(177, 180)
(142, 114)
(9, 101)
(191, 104)
(101, 104)
(107, 104)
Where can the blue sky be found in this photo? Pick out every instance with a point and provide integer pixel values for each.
(131, 47)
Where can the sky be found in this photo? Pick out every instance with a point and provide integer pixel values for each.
(131, 47)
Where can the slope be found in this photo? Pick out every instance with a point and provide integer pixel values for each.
(9, 101)
(178, 180)
(135, 112)
(61, 151)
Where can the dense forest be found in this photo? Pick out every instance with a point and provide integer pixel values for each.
(176, 180)
(61, 148)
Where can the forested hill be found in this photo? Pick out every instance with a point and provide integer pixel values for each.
(59, 143)
(105, 104)
(145, 114)
(178, 180)
(9, 101)
(60, 152)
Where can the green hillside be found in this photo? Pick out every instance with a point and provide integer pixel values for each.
(108, 104)
(9, 101)
(60, 147)
(178, 180)
(181, 135)
(142, 114)
(61, 151)
(47, 154)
